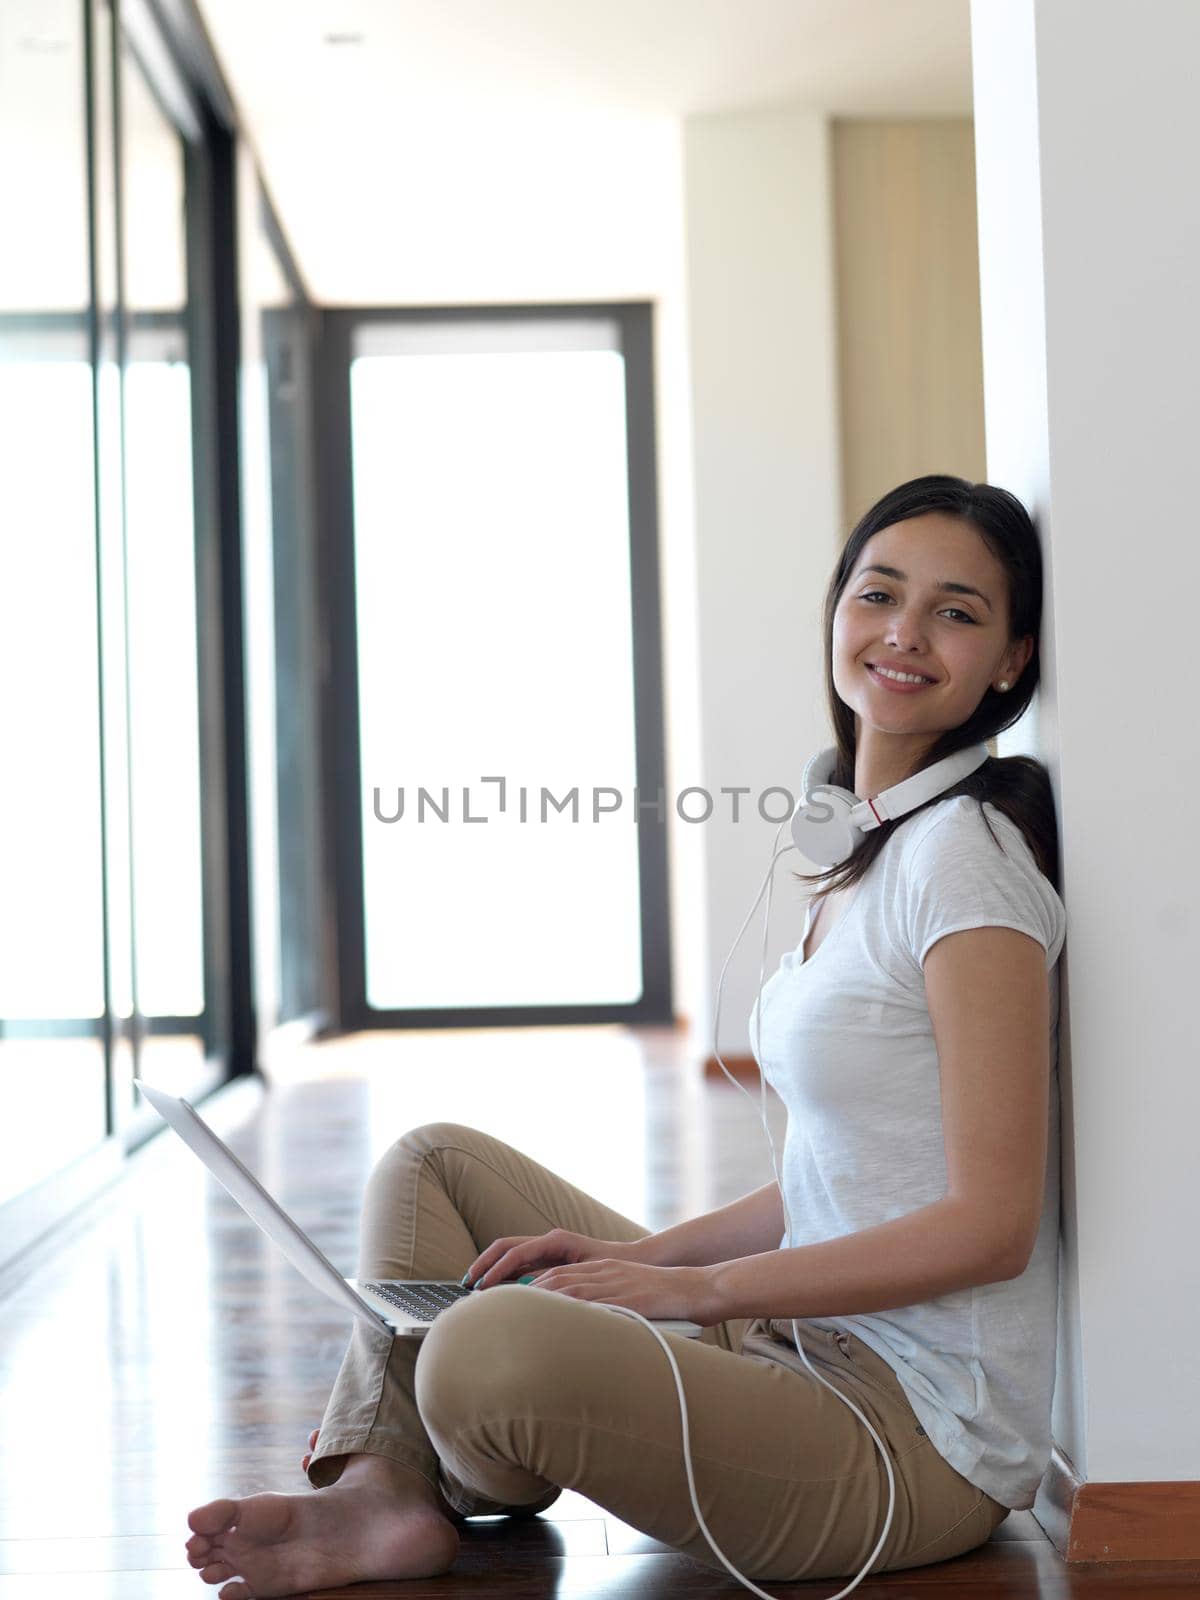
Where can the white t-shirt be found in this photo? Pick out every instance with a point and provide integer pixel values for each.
(847, 1043)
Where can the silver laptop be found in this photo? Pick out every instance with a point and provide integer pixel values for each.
(390, 1305)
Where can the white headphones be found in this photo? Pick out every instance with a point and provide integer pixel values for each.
(828, 820)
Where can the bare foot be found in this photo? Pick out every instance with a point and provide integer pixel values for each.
(378, 1521)
(443, 1504)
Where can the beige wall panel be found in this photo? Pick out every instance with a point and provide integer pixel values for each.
(909, 347)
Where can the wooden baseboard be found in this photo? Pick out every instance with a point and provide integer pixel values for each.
(1157, 1521)
(740, 1067)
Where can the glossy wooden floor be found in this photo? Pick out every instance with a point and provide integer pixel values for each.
(163, 1353)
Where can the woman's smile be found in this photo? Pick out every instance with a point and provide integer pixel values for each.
(895, 685)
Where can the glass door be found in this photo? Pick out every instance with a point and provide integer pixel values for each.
(119, 911)
(503, 868)
(164, 781)
(52, 946)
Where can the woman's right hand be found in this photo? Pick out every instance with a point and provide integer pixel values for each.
(510, 1258)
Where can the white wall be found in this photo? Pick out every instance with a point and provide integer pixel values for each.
(761, 304)
(1089, 231)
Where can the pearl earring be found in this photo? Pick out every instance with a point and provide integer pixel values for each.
(1003, 686)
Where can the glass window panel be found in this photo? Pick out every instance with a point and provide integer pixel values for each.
(112, 543)
(52, 1087)
(494, 638)
(160, 556)
(51, 942)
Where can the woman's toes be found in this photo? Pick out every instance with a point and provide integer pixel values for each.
(217, 1572)
(217, 1516)
(312, 1438)
(235, 1591)
(199, 1549)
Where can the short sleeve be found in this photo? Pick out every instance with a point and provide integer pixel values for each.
(957, 876)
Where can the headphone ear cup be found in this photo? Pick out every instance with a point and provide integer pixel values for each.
(818, 769)
(821, 826)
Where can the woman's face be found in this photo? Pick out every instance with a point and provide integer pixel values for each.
(915, 624)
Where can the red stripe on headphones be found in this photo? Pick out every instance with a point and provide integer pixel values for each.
(880, 820)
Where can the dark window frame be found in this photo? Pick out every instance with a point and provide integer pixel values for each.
(306, 944)
(227, 1026)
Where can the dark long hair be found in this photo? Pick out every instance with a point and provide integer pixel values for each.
(1017, 785)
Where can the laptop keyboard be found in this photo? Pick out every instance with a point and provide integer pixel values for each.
(421, 1301)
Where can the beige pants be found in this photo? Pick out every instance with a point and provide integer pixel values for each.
(515, 1394)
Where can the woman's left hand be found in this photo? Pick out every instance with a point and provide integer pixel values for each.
(684, 1292)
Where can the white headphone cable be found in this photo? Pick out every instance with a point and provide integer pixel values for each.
(755, 1044)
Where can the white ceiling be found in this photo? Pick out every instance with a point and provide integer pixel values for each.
(357, 105)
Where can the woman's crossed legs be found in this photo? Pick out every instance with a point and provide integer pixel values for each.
(519, 1392)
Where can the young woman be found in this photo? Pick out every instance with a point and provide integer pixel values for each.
(912, 1037)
